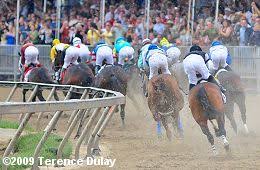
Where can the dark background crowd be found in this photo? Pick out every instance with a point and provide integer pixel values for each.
(238, 22)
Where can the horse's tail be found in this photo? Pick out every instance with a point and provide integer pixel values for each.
(209, 110)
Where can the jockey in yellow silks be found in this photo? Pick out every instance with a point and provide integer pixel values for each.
(172, 52)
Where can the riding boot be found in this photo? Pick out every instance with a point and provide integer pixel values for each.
(228, 68)
(213, 80)
(191, 86)
(97, 68)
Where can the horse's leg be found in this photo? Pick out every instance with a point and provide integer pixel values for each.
(178, 124)
(122, 114)
(56, 97)
(167, 128)
(221, 126)
(40, 96)
(205, 129)
(24, 94)
(240, 100)
(159, 129)
(229, 112)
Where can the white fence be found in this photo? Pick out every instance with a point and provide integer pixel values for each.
(84, 109)
(245, 61)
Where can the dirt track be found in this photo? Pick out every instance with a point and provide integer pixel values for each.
(137, 146)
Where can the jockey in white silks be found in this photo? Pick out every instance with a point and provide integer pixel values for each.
(156, 59)
(71, 57)
(123, 50)
(102, 52)
(197, 62)
(142, 65)
(219, 54)
(31, 55)
(84, 52)
(172, 52)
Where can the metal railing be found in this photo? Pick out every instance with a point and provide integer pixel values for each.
(82, 109)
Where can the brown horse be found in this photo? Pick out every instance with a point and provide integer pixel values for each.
(80, 75)
(39, 75)
(165, 101)
(205, 101)
(235, 94)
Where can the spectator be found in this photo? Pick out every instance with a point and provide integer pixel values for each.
(33, 35)
(255, 37)
(110, 14)
(244, 33)
(65, 32)
(10, 35)
(108, 34)
(93, 35)
(210, 32)
(225, 33)
(158, 27)
(48, 35)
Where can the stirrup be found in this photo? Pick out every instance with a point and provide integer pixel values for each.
(224, 98)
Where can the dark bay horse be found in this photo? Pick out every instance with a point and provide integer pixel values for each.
(113, 78)
(39, 75)
(165, 101)
(205, 101)
(235, 94)
(80, 74)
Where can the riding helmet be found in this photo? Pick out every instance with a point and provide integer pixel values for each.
(195, 48)
(215, 43)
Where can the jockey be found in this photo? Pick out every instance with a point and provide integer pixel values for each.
(197, 62)
(219, 54)
(84, 52)
(57, 47)
(141, 60)
(156, 59)
(22, 57)
(172, 52)
(123, 50)
(102, 52)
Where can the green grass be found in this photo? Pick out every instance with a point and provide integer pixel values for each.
(5, 124)
(26, 145)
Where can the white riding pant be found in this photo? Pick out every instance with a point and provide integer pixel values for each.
(125, 52)
(31, 54)
(173, 54)
(194, 64)
(158, 61)
(104, 52)
(84, 53)
(71, 56)
(218, 55)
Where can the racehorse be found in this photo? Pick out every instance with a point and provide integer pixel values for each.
(113, 78)
(38, 75)
(80, 74)
(234, 94)
(205, 101)
(165, 101)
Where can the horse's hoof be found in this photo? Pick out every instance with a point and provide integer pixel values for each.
(96, 152)
(76, 137)
(227, 148)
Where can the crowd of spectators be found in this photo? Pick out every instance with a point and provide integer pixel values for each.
(238, 22)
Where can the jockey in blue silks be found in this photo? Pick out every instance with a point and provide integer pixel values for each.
(156, 59)
(219, 54)
(102, 52)
(123, 50)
